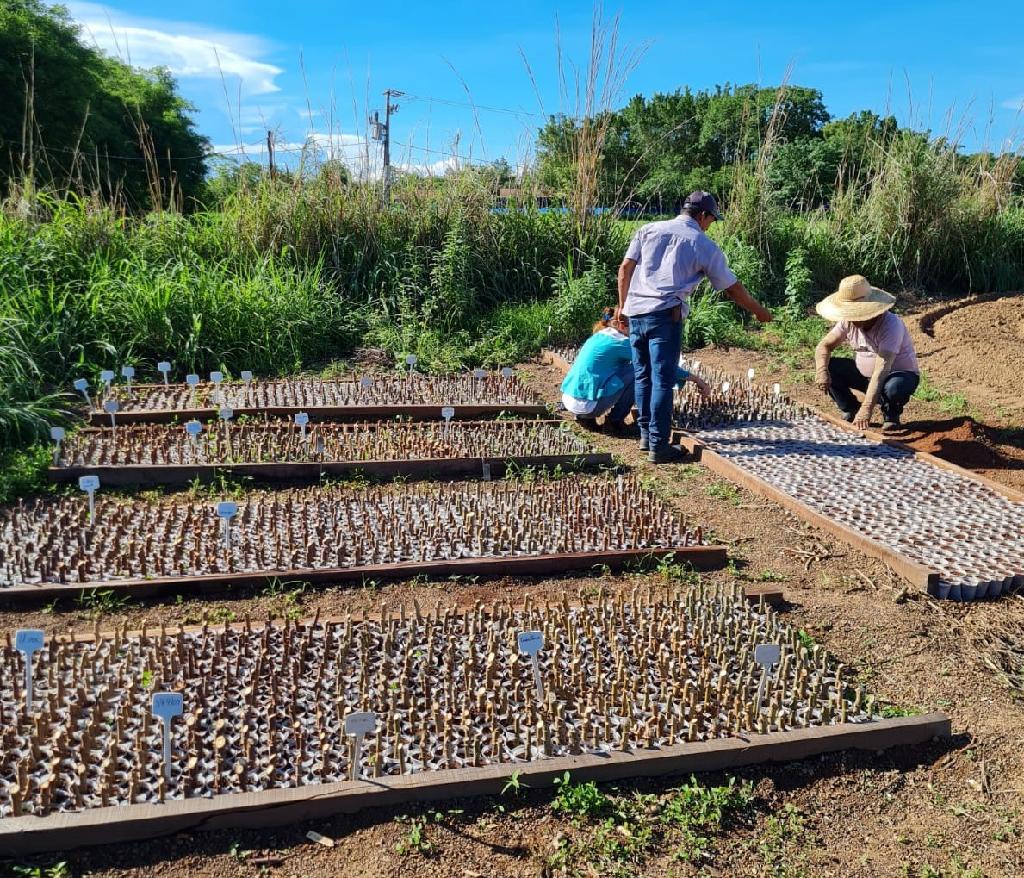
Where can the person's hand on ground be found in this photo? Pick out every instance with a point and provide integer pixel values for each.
(703, 388)
(823, 382)
(764, 315)
(862, 420)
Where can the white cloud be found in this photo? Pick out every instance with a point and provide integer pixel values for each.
(187, 50)
(1014, 104)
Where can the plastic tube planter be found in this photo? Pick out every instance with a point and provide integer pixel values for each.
(163, 453)
(265, 706)
(732, 399)
(964, 530)
(412, 395)
(504, 526)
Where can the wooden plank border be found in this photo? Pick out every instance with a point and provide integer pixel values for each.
(919, 575)
(430, 468)
(325, 413)
(699, 557)
(20, 836)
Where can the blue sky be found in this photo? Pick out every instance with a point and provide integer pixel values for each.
(312, 70)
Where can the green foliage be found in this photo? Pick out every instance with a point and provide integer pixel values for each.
(696, 812)
(782, 844)
(711, 320)
(515, 785)
(580, 800)
(76, 118)
(99, 602)
(798, 283)
(23, 472)
(579, 300)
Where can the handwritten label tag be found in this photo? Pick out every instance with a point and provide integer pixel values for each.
(725, 386)
(193, 428)
(29, 640)
(366, 381)
(750, 374)
(507, 372)
(227, 509)
(359, 724)
(192, 380)
(106, 376)
(530, 642)
(216, 377)
(301, 419)
(128, 372)
(81, 385)
(111, 406)
(246, 376)
(226, 414)
(89, 483)
(57, 434)
(163, 367)
(776, 388)
(479, 373)
(167, 705)
(448, 412)
(411, 360)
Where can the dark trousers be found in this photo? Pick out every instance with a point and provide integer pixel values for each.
(897, 388)
(656, 339)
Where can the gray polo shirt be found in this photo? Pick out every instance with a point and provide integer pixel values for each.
(672, 257)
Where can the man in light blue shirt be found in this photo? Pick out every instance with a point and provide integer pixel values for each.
(663, 265)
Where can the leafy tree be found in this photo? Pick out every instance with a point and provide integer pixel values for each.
(70, 116)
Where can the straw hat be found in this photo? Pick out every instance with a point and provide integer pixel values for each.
(855, 299)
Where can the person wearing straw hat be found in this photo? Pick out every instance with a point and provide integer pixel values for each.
(884, 367)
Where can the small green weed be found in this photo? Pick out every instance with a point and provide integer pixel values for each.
(782, 844)
(55, 870)
(415, 840)
(580, 800)
(696, 811)
(515, 785)
(892, 711)
(98, 602)
(724, 491)
(806, 641)
(671, 571)
(23, 473)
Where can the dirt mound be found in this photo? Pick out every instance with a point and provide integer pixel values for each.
(974, 347)
(963, 441)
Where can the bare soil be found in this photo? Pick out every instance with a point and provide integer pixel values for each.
(951, 809)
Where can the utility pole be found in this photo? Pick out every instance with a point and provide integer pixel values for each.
(270, 153)
(382, 131)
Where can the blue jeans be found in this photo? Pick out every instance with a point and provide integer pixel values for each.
(657, 340)
(619, 403)
(897, 388)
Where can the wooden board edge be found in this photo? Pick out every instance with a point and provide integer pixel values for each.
(21, 836)
(699, 557)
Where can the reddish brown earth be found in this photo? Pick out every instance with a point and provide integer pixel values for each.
(953, 809)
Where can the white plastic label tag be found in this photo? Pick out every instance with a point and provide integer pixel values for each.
(226, 414)
(365, 381)
(128, 372)
(246, 375)
(111, 406)
(301, 419)
(193, 428)
(57, 434)
(29, 640)
(89, 483)
(411, 360)
(227, 509)
(776, 388)
(167, 705)
(725, 386)
(359, 724)
(106, 376)
(448, 412)
(767, 654)
(216, 377)
(192, 380)
(750, 374)
(479, 373)
(81, 385)
(530, 642)
(507, 372)
(163, 366)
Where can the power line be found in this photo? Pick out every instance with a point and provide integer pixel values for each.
(509, 110)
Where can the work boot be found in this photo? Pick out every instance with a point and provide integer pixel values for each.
(891, 422)
(620, 429)
(666, 454)
(645, 443)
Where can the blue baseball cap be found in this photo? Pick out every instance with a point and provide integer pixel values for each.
(704, 201)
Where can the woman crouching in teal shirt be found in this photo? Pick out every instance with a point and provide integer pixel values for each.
(600, 380)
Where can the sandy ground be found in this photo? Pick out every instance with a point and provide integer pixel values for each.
(951, 809)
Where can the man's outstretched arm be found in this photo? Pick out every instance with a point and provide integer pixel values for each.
(738, 293)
